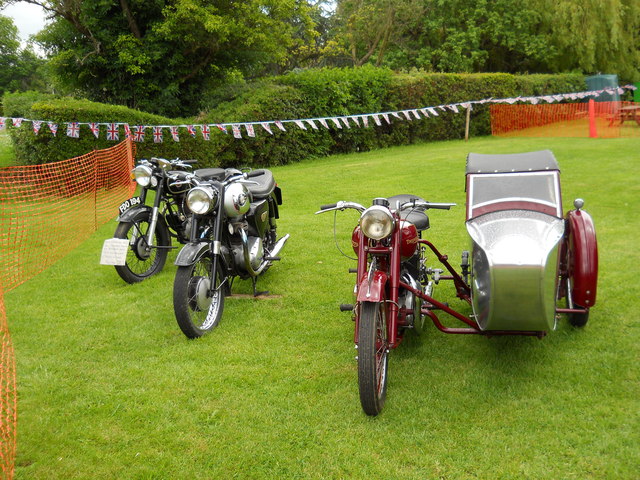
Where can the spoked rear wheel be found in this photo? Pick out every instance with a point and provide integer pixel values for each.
(197, 305)
(373, 351)
(143, 260)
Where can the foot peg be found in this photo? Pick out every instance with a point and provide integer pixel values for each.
(346, 307)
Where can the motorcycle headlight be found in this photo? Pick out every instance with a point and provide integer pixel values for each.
(143, 175)
(377, 222)
(201, 200)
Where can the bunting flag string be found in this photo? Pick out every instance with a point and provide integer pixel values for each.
(339, 122)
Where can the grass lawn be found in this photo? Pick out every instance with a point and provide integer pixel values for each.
(7, 156)
(110, 388)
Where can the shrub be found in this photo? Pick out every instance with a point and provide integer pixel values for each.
(297, 95)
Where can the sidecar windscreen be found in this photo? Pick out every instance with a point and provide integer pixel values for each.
(522, 181)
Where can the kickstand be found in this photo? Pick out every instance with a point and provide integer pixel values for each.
(255, 291)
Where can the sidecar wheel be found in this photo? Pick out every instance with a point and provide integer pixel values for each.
(142, 262)
(197, 311)
(373, 351)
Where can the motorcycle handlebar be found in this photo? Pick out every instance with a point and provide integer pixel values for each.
(328, 206)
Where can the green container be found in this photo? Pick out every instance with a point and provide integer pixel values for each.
(600, 82)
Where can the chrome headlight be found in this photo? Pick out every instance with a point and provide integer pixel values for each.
(143, 175)
(377, 222)
(201, 200)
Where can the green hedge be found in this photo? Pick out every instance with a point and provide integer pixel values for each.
(297, 95)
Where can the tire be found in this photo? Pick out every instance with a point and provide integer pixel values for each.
(579, 319)
(196, 311)
(142, 264)
(373, 354)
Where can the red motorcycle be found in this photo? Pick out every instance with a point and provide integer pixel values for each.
(525, 258)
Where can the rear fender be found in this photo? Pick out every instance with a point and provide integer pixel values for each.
(190, 253)
(584, 258)
(374, 290)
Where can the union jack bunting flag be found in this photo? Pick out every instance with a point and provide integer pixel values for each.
(113, 133)
(73, 130)
(157, 134)
(174, 133)
(365, 121)
(250, 131)
(300, 124)
(36, 126)
(280, 125)
(386, 118)
(313, 124)
(222, 128)
(355, 120)
(345, 120)
(192, 131)
(17, 122)
(95, 129)
(54, 128)
(376, 119)
(205, 131)
(138, 136)
(2, 122)
(127, 131)
(266, 126)
(236, 130)
(336, 122)
(323, 122)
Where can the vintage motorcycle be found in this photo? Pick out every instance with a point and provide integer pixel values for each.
(142, 239)
(233, 234)
(525, 259)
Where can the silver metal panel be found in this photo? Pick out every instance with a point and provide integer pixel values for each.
(514, 269)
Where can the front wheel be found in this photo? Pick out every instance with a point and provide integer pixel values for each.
(373, 351)
(143, 260)
(197, 303)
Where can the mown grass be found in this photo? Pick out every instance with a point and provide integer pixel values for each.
(7, 155)
(110, 388)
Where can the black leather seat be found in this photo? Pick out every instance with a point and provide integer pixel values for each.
(264, 187)
(418, 217)
(210, 173)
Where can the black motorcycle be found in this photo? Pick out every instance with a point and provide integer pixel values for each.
(233, 234)
(144, 234)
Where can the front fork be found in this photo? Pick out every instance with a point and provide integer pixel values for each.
(376, 285)
(153, 221)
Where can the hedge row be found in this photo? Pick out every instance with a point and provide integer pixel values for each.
(299, 95)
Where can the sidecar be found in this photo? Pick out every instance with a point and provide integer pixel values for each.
(527, 259)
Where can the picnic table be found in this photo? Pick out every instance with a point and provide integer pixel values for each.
(629, 112)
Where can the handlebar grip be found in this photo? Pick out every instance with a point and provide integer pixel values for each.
(328, 206)
(255, 173)
(190, 162)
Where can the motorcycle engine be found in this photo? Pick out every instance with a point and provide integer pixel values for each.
(256, 252)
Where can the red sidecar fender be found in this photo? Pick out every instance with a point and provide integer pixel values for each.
(374, 290)
(583, 258)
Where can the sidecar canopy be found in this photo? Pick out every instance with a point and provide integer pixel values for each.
(514, 218)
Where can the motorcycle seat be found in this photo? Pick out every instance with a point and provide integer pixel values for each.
(418, 217)
(265, 184)
(210, 173)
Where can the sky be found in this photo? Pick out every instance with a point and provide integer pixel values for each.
(28, 18)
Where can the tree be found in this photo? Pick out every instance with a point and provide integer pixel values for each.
(163, 55)
(19, 68)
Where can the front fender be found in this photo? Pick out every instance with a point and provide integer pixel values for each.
(374, 290)
(190, 253)
(584, 265)
(130, 214)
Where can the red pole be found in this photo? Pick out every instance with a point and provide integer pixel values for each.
(593, 133)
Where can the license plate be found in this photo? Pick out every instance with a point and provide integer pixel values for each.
(127, 204)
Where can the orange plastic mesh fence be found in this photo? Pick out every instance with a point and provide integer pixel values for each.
(8, 397)
(610, 120)
(45, 212)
